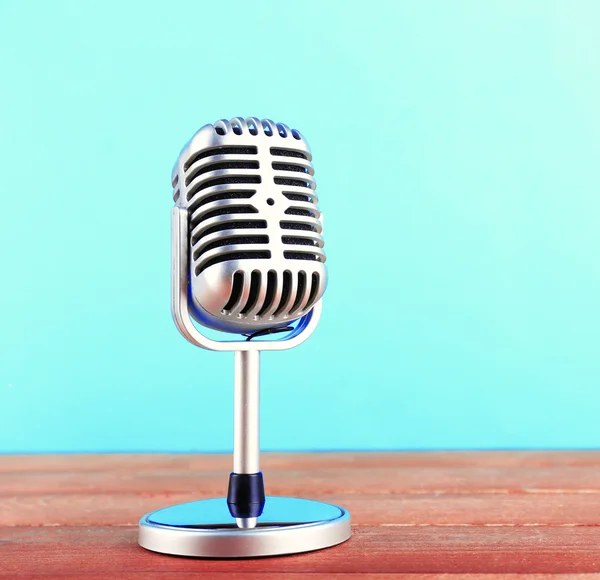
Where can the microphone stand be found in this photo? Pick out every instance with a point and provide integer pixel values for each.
(245, 523)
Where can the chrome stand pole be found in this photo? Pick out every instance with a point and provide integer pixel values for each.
(246, 494)
(246, 413)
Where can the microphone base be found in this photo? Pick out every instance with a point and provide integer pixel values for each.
(206, 529)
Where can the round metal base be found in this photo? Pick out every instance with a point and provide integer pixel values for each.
(206, 529)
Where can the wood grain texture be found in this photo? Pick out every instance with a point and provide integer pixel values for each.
(270, 461)
(373, 549)
(415, 515)
(366, 509)
(149, 575)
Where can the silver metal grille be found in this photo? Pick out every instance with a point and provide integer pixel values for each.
(256, 249)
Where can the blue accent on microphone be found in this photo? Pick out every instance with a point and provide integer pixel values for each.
(286, 333)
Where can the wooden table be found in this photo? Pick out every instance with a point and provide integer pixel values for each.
(413, 513)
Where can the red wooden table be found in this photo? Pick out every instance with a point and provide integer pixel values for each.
(422, 514)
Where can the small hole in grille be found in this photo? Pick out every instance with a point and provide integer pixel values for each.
(300, 211)
(286, 287)
(253, 295)
(281, 130)
(199, 202)
(236, 128)
(221, 165)
(301, 256)
(219, 130)
(267, 129)
(222, 181)
(176, 194)
(236, 292)
(231, 225)
(251, 255)
(289, 167)
(225, 211)
(300, 290)
(252, 128)
(175, 181)
(297, 226)
(270, 295)
(228, 150)
(294, 182)
(296, 134)
(230, 241)
(297, 241)
(298, 197)
(314, 287)
(288, 153)
(270, 201)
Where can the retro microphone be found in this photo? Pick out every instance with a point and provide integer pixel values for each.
(248, 261)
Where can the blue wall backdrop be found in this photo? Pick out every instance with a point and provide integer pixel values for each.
(456, 148)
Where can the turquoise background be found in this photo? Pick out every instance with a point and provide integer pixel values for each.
(456, 147)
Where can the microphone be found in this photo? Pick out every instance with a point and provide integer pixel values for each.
(255, 243)
(247, 260)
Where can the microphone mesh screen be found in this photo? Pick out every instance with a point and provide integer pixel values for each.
(256, 257)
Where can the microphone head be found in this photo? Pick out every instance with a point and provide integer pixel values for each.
(256, 257)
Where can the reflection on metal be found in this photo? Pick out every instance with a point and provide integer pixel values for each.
(206, 529)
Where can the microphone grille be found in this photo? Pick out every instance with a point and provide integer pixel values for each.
(255, 230)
